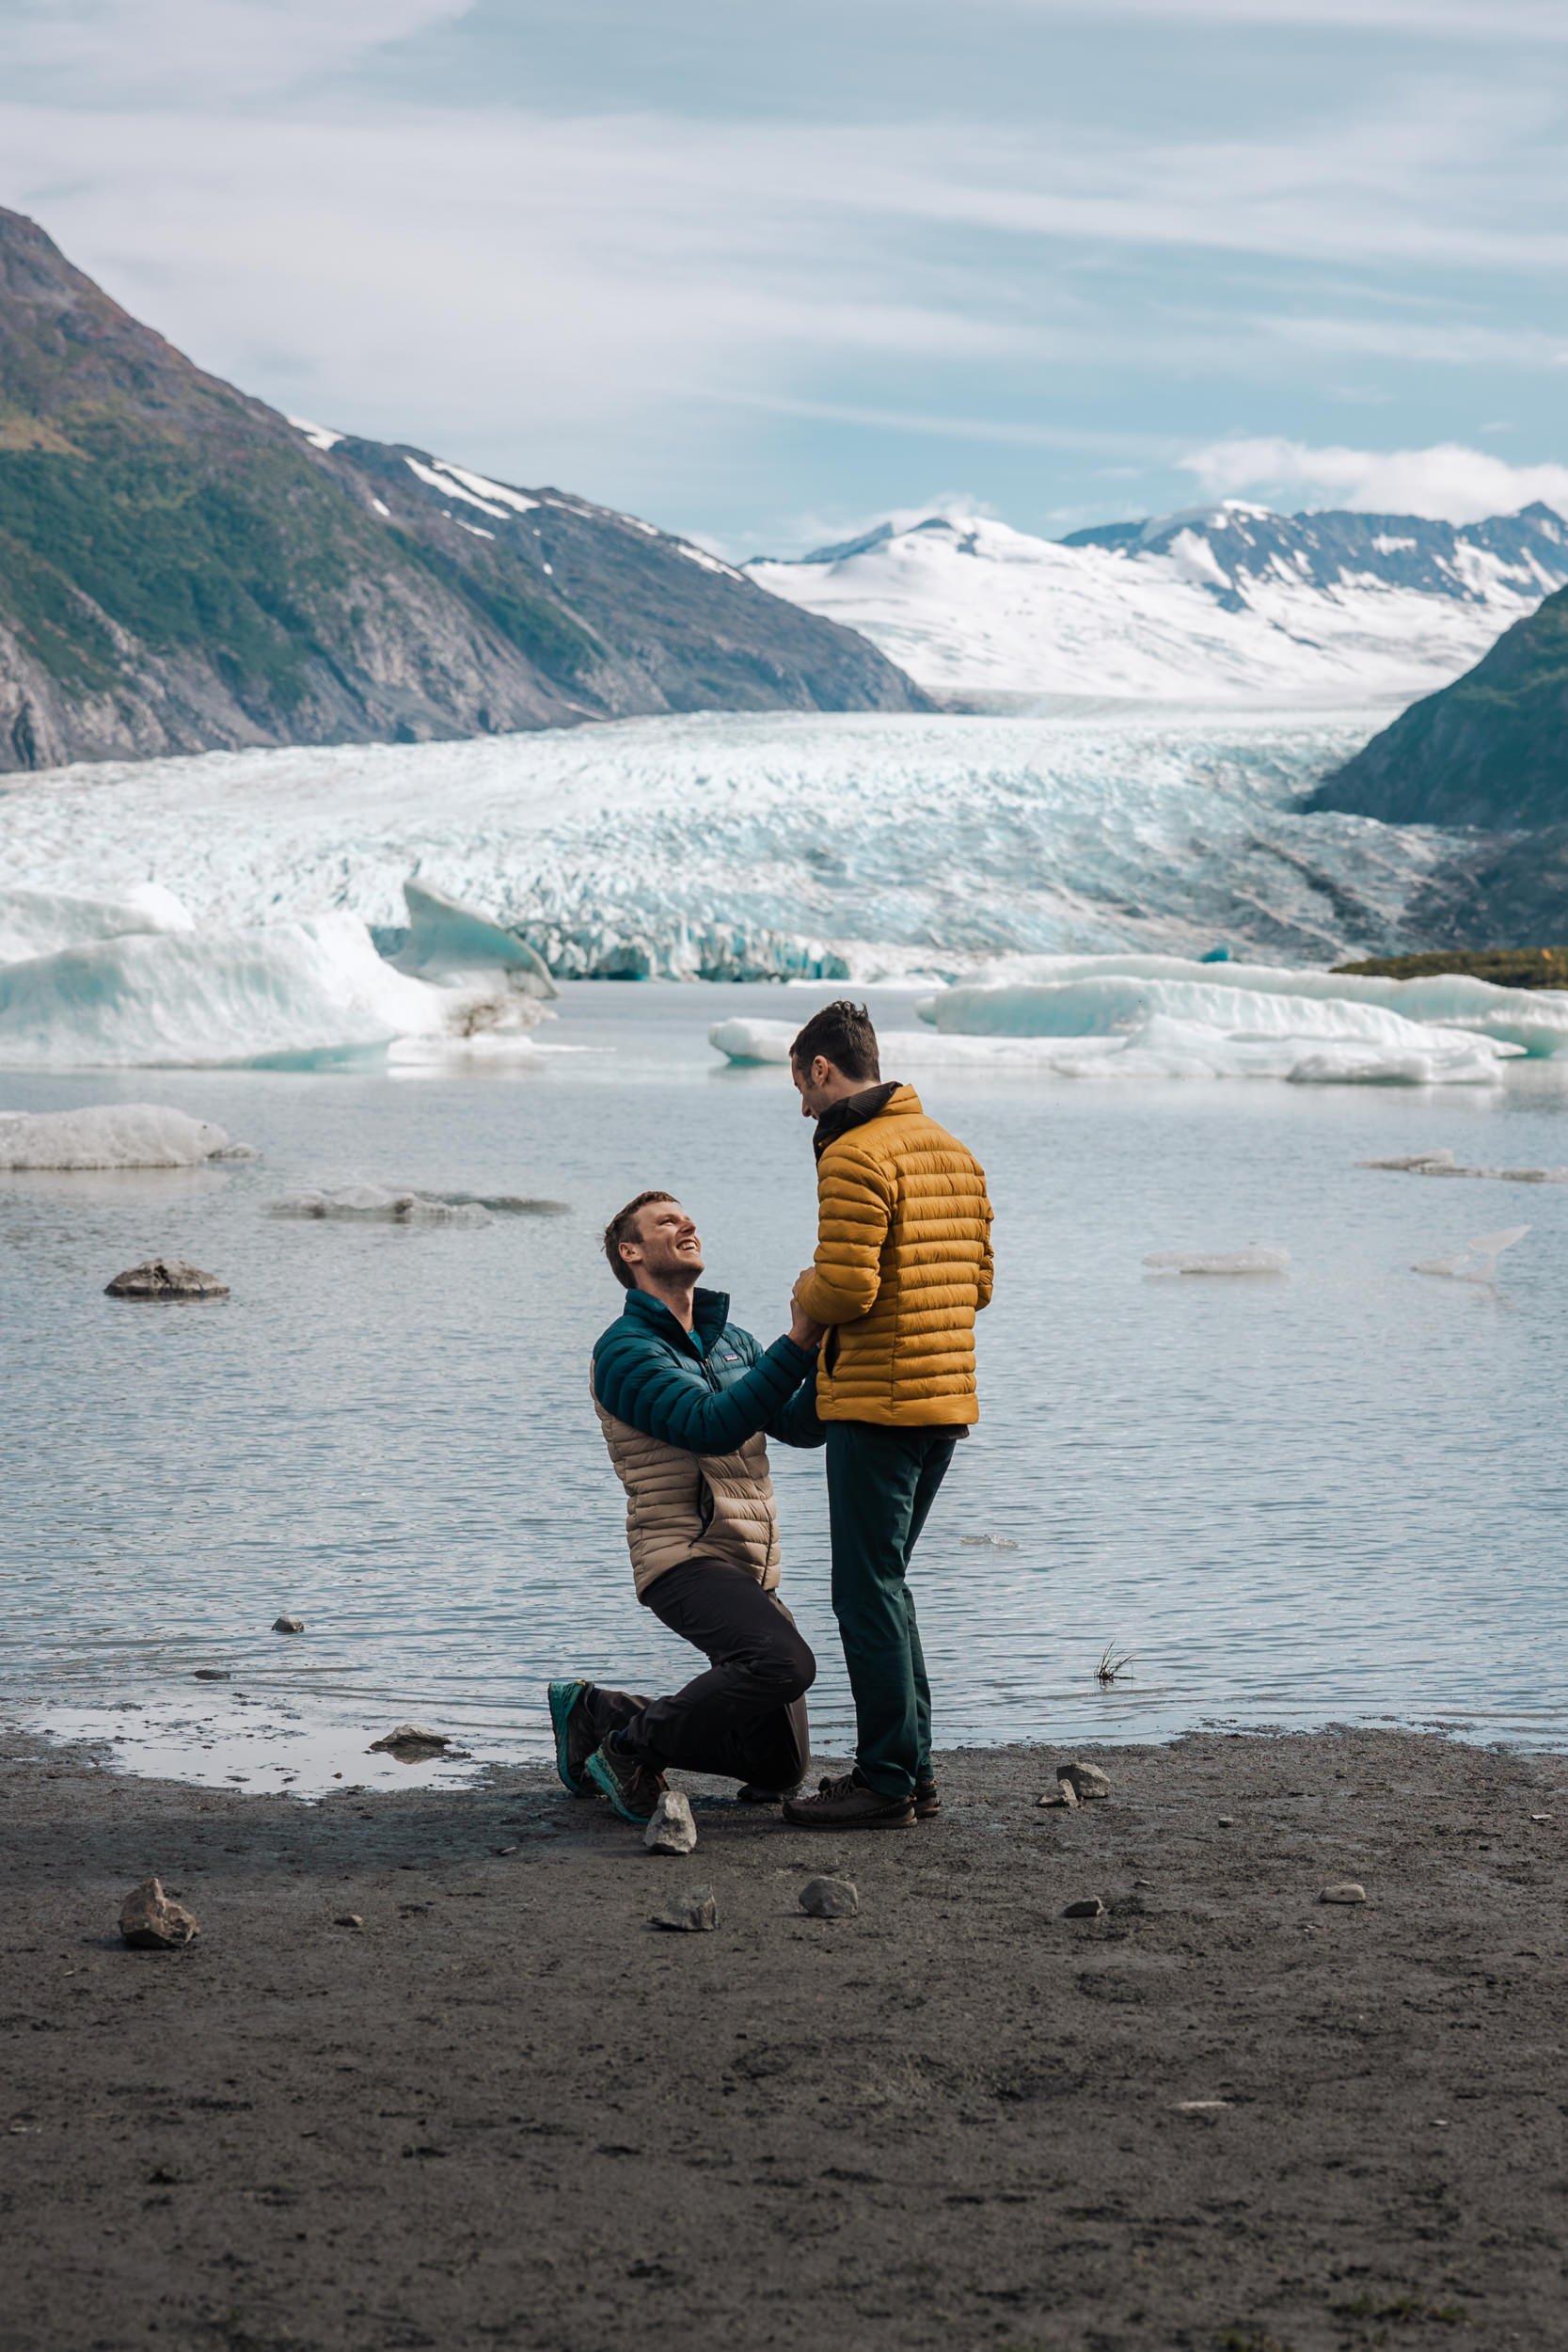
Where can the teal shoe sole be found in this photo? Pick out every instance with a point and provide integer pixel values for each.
(563, 1697)
(605, 1781)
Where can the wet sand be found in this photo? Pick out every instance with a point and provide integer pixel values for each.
(506, 2111)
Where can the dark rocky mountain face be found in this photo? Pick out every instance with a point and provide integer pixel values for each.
(1491, 750)
(182, 569)
(1245, 544)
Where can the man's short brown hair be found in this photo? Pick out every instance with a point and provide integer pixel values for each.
(623, 1227)
(842, 1033)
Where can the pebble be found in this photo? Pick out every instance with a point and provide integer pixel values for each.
(166, 1277)
(830, 1898)
(287, 1625)
(1201, 2106)
(153, 1921)
(1086, 1781)
(694, 1912)
(348, 1919)
(1542, 1817)
(212, 1674)
(1346, 1891)
(673, 1830)
(1227, 1821)
(1090, 1908)
(503, 1849)
(1064, 1793)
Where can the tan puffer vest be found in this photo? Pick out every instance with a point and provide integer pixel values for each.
(693, 1506)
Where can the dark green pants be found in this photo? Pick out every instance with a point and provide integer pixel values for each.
(882, 1483)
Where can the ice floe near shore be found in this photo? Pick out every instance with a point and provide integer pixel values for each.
(1104, 1033)
(372, 1204)
(264, 994)
(113, 1134)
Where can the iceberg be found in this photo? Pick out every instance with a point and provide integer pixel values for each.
(449, 943)
(1478, 1260)
(39, 922)
(1104, 1033)
(1444, 1164)
(1533, 1020)
(279, 993)
(113, 1134)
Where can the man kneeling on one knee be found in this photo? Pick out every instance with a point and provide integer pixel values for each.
(687, 1401)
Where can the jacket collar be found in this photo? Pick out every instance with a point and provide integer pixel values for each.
(710, 1314)
(853, 1110)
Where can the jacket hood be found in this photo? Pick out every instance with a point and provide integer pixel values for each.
(854, 1110)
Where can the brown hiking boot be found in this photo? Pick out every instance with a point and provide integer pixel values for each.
(849, 1803)
(928, 1803)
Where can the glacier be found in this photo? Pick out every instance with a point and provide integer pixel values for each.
(799, 846)
(1228, 603)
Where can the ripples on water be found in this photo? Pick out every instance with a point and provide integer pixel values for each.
(1330, 1498)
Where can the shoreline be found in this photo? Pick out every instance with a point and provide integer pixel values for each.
(504, 2109)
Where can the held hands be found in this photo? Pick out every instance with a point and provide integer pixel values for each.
(803, 1331)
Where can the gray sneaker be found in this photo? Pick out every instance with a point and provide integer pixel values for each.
(849, 1803)
(634, 1790)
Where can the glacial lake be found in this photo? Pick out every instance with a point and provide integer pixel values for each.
(1335, 1495)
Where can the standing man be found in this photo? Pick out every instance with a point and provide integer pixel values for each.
(687, 1401)
(903, 1263)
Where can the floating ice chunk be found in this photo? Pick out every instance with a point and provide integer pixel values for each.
(280, 994)
(1478, 1260)
(1156, 1046)
(992, 1543)
(1533, 1021)
(40, 922)
(374, 1204)
(1218, 1261)
(113, 1134)
(1444, 1164)
(449, 941)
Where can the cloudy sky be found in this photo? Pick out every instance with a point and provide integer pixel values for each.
(764, 272)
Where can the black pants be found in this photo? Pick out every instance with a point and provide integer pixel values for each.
(745, 1718)
(881, 1484)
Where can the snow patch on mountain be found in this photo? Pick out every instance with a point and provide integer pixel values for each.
(1229, 602)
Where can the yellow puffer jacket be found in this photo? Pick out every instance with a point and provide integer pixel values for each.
(903, 1265)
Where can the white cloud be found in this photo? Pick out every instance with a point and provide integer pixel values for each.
(1449, 481)
(1487, 20)
(203, 51)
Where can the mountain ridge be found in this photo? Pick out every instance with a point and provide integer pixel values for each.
(1229, 599)
(182, 569)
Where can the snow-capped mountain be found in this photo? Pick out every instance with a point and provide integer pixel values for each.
(1230, 601)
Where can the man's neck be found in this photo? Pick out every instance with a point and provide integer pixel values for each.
(680, 1298)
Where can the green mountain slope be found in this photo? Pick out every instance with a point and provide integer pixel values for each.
(1491, 750)
(182, 569)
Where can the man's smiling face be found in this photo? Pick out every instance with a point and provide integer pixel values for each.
(668, 1248)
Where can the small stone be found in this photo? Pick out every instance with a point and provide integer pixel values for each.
(166, 1277)
(287, 1625)
(1086, 1781)
(830, 1898)
(348, 1919)
(408, 1743)
(503, 1849)
(672, 1829)
(1227, 1821)
(212, 1674)
(1347, 1891)
(153, 1921)
(1201, 2106)
(1090, 1908)
(1542, 1817)
(693, 1912)
(1064, 1793)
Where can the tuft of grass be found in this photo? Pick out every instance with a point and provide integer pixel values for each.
(1403, 2307)
(1111, 1668)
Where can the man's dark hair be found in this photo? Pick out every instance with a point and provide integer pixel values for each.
(842, 1033)
(623, 1227)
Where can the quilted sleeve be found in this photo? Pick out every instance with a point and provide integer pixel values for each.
(854, 1205)
(652, 1390)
